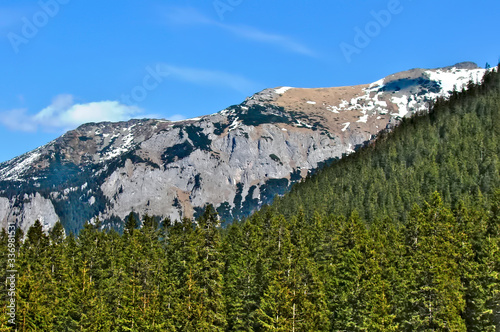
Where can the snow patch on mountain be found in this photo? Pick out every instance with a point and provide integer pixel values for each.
(402, 103)
(18, 166)
(455, 79)
(282, 90)
(126, 143)
(377, 84)
(364, 118)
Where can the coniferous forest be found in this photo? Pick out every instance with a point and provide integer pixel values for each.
(403, 235)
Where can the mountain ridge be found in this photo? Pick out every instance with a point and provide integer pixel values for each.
(236, 159)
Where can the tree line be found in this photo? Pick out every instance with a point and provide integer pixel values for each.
(439, 271)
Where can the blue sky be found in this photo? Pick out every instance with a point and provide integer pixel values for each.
(67, 62)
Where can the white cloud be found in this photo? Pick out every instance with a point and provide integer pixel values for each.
(274, 39)
(17, 119)
(190, 16)
(211, 78)
(63, 114)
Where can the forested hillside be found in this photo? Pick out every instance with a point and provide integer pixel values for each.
(454, 149)
(403, 235)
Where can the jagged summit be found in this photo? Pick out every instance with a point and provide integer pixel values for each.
(463, 65)
(236, 159)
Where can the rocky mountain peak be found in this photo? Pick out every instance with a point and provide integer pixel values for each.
(463, 65)
(261, 98)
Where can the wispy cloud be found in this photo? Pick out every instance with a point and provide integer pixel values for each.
(176, 117)
(187, 16)
(211, 78)
(63, 114)
(16, 119)
(190, 16)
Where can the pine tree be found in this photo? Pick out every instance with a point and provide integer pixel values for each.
(208, 271)
(197, 270)
(434, 247)
(181, 255)
(276, 311)
(35, 284)
(492, 262)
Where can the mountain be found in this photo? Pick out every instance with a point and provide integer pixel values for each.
(402, 235)
(236, 159)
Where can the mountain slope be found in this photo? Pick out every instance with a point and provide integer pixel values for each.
(454, 150)
(236, 159)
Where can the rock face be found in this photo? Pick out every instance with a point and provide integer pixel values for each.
(34, 207)
(236, 159)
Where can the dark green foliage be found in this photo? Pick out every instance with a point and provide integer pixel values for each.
(238, 197)
(131, 223)
(250, 203)
(135, 159)
(323, 164)
(407, 84)
(75, 210)
(198, 138)
(219, 128)
(245, 206)
(176, 152)
(295, 176)
(198, 211)
(224, 211)
(273, 187)
(257, 114)
(58, 174)
(391, 258)
(275, 158)
(197, 182)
